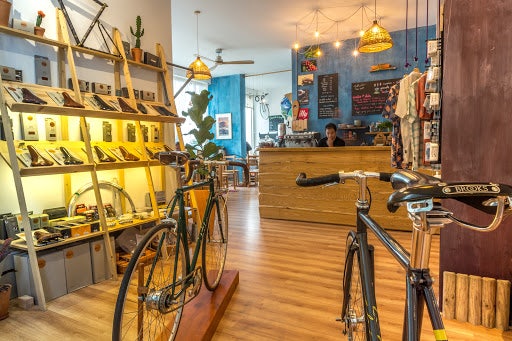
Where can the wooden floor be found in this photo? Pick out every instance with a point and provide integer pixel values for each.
(290, 288)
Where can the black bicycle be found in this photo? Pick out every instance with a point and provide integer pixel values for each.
(169, 265)
(417, 192)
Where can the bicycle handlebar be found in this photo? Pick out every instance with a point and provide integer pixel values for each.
(339, 177)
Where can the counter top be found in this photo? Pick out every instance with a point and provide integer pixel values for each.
(326, 149)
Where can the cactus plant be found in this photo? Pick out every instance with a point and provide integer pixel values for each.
(138, 32)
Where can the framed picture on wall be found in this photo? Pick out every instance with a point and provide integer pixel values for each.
(223, 125)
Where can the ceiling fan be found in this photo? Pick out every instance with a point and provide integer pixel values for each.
(219, 61)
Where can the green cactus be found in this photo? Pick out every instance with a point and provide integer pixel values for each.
(138, 33)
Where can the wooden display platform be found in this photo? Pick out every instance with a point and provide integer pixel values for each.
(202, 316)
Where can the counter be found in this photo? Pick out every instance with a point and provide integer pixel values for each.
(281, 198)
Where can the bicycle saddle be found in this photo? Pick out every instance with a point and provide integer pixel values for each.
(173, 157)
(471, 193)
(408, 178)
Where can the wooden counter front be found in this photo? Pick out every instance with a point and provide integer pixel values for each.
(281, 198)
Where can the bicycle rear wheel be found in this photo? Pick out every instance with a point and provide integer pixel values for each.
(151, 297)
(215, 244)
(353, 313)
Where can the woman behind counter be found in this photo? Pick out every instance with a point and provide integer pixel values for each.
(331, 139)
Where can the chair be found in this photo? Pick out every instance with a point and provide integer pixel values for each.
(229, 174)
(253, 165)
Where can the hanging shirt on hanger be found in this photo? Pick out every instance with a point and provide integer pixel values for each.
(402, 111)
(396, 136)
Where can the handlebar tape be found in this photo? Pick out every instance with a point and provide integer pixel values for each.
(303, 181)
(385, 177)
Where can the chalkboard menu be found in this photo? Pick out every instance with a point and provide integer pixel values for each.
(328, 96)
(368, 98)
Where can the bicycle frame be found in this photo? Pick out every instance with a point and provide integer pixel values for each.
(418, 281)
(179, 200)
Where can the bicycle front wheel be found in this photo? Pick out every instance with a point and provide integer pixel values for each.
(353, 314)
(151, 296)
(215, 244)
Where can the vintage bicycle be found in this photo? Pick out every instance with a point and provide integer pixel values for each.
(167, 268)
(418, 192)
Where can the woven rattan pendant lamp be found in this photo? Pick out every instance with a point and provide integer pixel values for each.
(376, 38)
(199, 70)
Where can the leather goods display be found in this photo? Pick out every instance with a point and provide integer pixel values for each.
(99, 88)
(83, 85)
(151, 59)
(42, 236)
(29, 97)
(142, 108)
(37, 158)
(8, 73)
(125, 107)
(163, 111)
(147, 95)
(43, 72)
(127, 156)
(70, 102)
(102, 104)
(151, 155)
(70, 159)
(102, 156)
(55, 212)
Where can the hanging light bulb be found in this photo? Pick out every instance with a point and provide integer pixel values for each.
(296, 45)
(337, 43)
(198, 69)
(361, 32)
(355, 53)
(376, 38)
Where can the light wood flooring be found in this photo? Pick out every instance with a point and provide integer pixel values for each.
(290, 288)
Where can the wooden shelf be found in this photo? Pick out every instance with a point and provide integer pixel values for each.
(378, 132)
(384, 69)
(354, 128)
(90, 112)
(145, 66)
(20, 244)
(30, 36)
(55, 169)
(96, 53)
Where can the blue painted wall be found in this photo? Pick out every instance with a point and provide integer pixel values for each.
(352, 69)
(229, 97)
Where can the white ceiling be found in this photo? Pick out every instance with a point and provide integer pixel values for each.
(265, 30)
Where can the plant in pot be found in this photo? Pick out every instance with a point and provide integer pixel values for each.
(385, 126)
(5, 12)
(203, 148)
(138, 33)
(38, 30)
(5, 289)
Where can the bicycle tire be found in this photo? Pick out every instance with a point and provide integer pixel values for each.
(353, 309)
(145, 309)
(215, 243)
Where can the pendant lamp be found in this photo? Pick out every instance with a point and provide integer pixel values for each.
(198, 69)
(376, 38)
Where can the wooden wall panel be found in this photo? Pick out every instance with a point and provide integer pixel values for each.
(476, 127)
(281, 198)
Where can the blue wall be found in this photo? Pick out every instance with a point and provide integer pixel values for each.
(352, 69)
(229, 97)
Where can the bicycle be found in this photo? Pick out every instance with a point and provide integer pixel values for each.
(163, 274)
(417, 192)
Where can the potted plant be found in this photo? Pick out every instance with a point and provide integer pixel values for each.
(5, 289)
(38, 30)
(385, 126)
(138, 33)
(5, 12)
(203, 148)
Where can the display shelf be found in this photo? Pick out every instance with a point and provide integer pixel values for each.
(145, 66)
(353, 128)
(135, 223)
(377, 132)
(53, 108)
(96, 53)
(30, 36)
(20, 244)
